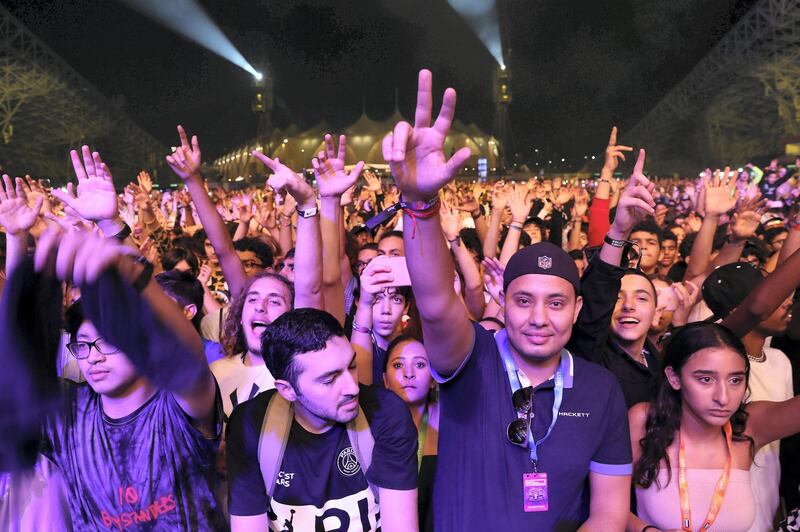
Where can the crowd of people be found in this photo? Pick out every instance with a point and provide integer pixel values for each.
(401, 352)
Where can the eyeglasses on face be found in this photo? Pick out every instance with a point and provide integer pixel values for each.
(81, 349)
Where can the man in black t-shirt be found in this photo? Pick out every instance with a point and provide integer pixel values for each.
(320, 483)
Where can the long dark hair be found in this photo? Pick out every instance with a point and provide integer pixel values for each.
(664, 411)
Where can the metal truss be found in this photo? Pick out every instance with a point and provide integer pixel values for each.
(47, 108)
(740, 100)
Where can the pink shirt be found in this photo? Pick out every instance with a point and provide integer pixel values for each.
(662, 507)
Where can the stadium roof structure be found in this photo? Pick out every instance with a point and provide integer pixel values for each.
(296, 148)
(47, 108)
(741, 100)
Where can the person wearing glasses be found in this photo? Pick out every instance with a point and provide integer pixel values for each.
(506, 462)
(136, 442)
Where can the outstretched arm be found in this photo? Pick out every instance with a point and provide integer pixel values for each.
(333, 181)
(420, 169)
(185, 162)
(720, 197)
(473, 284)
(308, 257)
(767, 296)
(17, 218)
(147, 325)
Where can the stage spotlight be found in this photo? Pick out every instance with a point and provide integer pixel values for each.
(259, 76)
(189, 19)
(481, 16)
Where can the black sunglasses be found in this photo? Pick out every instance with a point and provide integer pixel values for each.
(517, 430)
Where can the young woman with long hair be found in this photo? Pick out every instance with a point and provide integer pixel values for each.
(408, 374)
(693, 445)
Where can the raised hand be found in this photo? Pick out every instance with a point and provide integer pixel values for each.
(493, 277)
(244, 213)
(581, 203)
(614, 153)
(139, 195)
(34, 190)
(347, 197)
(332, 179)
(416, 153)
(375, 278)
(77, 256)
(500, 196)
(284, 179)
(16, 215)
(687, 295)
(145, 181)
(187, 159)
(747, 217)
(721, 193)
(520, 203)
(373, 183)
(468, 203)
(204, 275)
(562, 196)
(661, 214)
(636, 201)
(450, 220)
(96, 199)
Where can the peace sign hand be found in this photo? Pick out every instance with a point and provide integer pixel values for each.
(416, 154)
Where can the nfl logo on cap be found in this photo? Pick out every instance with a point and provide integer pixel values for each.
(545, 262)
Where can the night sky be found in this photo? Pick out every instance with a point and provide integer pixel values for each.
(579, 66)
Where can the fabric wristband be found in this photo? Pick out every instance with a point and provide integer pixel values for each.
(613, 242)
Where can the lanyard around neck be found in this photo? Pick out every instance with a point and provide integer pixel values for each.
(501, 339)
(719, 491)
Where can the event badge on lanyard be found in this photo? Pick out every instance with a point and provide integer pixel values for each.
(719, 491)
(534, 485)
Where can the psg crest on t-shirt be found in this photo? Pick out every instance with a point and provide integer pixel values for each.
(347, 462)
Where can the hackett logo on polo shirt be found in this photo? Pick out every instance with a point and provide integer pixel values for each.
(574, 414)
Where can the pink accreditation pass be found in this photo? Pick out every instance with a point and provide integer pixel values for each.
(534, 489)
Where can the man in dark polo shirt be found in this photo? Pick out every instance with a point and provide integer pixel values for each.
(494, 473)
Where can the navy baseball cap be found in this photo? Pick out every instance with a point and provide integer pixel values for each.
(727, 286)
(542, 258)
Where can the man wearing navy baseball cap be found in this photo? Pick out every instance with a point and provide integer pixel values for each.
(523, 423)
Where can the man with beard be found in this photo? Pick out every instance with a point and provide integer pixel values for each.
(520, 478)
(320, 482)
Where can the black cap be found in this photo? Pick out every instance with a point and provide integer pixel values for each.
(728, 285)
(359, 228)
(542, 258)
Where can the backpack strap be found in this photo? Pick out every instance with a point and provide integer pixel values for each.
(362, 441)
(274, 436)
